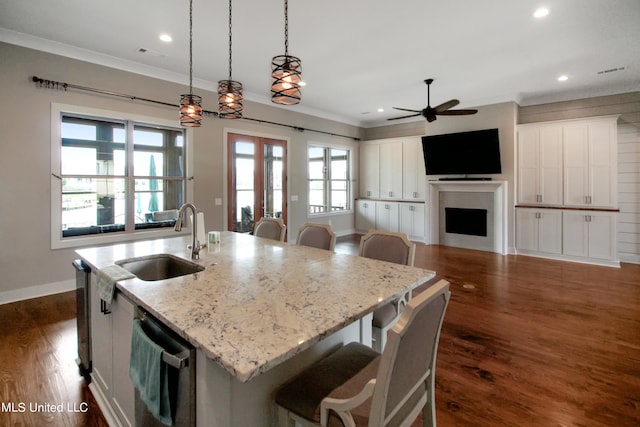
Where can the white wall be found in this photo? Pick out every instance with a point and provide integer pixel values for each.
(27, 264)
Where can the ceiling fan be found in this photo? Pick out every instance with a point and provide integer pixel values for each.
(430, 113)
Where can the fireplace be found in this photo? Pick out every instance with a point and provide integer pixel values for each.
(468, 214)
(471, 222)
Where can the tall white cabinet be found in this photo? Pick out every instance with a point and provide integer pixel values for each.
(567, 189)
(392, 187)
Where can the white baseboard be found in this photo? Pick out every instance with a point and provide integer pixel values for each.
(37, 291)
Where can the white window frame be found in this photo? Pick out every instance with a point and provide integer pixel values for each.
(349, 180)
(57, 241)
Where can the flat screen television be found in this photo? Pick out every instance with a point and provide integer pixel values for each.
(475, 152)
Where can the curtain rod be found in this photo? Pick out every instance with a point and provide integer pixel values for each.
(52, 84)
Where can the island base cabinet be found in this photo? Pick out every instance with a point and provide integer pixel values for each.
(223, 401)
(111, 327)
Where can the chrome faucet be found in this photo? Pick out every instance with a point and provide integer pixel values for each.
(195, 244)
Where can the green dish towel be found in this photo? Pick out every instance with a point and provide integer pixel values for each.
(107, 278)
(149, 374)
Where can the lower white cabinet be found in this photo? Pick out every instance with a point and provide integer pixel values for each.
(413, 220)
(406, 217)
(365, 215)
(387, 216)
(589, 234)
(539, 230)
(111, 328)
(569, 234)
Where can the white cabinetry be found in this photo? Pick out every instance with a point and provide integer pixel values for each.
(391, 170)
(111, 328)
(387, 216)
(590, 151)
(365, 215)
(392, 173)
(414, 174)
(369, 171)
(412, 220)
(540, 164)
(568, 165)
(589, 234)
(539, 230)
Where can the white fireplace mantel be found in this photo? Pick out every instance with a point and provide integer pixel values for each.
(499, 190)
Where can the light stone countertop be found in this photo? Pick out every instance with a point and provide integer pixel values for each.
(259, 302)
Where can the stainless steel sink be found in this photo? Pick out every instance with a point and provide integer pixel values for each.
(159, 267)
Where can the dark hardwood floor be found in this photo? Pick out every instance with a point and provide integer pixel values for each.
(525, 342)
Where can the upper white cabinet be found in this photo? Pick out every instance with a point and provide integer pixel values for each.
(568, 163)
(391, 170)
(590, 151)
(540, 164)
(369, 171)
(413, 171)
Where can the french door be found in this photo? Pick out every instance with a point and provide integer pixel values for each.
(257, 179)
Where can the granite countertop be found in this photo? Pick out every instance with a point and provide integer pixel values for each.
(259, 302)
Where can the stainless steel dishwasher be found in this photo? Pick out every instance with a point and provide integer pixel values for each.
(180, 358)
(83, 317)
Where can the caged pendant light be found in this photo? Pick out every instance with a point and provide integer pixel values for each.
(229, 91)
(190, 104)
(286, 71)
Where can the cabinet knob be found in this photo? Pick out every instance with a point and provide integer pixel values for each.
(390, 193)
(368, 193)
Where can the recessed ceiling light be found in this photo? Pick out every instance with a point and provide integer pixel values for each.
(541, 13)
(166, 38)
(302, 83)
(380, 110)
(563, 78)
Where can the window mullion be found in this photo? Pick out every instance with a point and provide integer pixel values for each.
(130, 184)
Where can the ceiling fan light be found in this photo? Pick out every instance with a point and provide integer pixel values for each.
(190, 110)
(230, 99)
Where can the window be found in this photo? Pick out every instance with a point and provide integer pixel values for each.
(329, 179)
(115, 176)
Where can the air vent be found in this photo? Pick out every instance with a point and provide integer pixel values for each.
(612, 70)
(151, 52)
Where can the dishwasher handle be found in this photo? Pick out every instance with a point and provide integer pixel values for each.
(176, 351)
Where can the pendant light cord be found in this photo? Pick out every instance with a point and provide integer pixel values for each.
(286, 28)
(190, 47)
(230, 39)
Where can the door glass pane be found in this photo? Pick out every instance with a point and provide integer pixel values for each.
(273, 188)
(244, 193)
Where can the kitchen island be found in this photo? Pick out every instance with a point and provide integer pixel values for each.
(260, 312)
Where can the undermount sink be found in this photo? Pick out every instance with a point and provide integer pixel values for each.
(159, 267)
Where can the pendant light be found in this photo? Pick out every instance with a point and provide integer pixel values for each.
(286, 71)
(190, 104)
(229, 91)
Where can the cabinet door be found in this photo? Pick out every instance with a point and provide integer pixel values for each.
(412, 220)
(602, 164)
(391, 170)
(602, 235)
(101, 358)
(414, 174)
(387, 216)
(550, 231)
(576, 160)
(528, 165)
(550, 165)
(526, 230)
(575, 234)
(365, 215)
(123, 397)
(369, 186)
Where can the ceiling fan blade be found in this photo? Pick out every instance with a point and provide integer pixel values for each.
(457, 112)
(404, 117)
(446, 105)
(406, 109)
